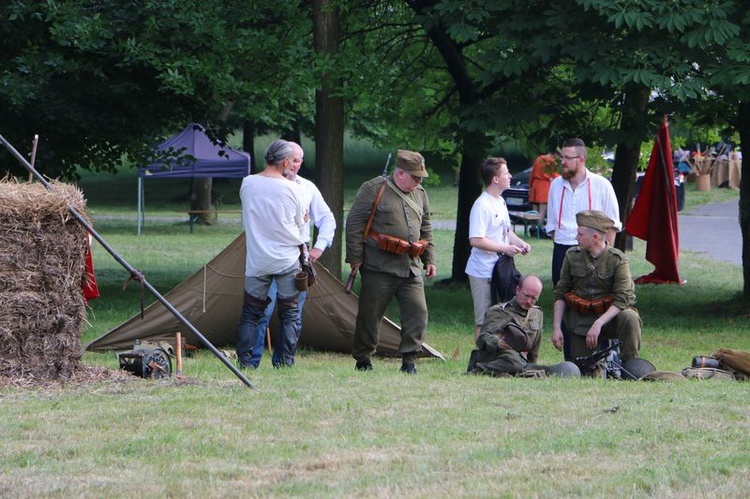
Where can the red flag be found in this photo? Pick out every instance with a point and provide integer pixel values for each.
(90, 289)
(654, 216)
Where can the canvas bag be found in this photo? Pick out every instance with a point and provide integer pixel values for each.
(704, 373)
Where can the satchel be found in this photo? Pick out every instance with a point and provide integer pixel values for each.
(505, 278)
(307, 268)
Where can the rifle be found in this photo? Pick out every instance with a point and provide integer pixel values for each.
(385, 169)
(591, 363)
(353, 273)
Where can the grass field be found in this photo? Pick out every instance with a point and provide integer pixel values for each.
(322, 429)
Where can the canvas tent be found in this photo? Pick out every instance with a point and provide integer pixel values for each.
(191, 153)
(211, 299)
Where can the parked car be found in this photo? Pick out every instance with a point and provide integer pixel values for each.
(517, 195)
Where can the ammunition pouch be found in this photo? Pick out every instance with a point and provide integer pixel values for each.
(392, 244)
(417, 248)
(399, 246)
(587, 307)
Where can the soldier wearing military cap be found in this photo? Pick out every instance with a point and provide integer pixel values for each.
(576, 189)
(595, 295)
(511, 334)
(389, 242)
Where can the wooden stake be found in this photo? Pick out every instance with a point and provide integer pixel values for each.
(33, 155)
(178, 351)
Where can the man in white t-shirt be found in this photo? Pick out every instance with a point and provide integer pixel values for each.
(317, 211)
(576, 190)
(272, 214)
(490, 235)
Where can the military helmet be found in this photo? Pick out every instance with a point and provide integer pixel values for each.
(637, 368)
(564, 370)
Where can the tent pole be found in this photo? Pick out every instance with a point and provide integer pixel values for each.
(140, 203)
(134, 274)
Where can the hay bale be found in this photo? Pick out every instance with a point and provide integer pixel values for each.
(42, 264)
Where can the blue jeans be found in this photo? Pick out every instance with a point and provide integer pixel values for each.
(253, 310)
(260, 333)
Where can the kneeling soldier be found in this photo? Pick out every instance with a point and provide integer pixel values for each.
(595, 294)
(509, 340)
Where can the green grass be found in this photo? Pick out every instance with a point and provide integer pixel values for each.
(322, 429)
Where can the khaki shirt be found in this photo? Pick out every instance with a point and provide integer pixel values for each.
(498, 317)
(594, 278)
(394, 216)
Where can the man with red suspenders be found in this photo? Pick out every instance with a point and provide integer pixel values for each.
(578, 189)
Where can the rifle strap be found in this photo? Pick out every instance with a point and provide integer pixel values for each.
(375, 204)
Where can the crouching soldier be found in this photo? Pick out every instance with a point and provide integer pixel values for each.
(596, 294)
(509, 340)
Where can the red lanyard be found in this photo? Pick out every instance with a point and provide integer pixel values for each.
(562, 197)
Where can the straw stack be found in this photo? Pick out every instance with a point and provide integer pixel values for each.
(42, 263)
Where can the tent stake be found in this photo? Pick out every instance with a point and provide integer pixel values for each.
(136, 275)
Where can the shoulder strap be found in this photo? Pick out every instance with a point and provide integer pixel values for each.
(375, 204)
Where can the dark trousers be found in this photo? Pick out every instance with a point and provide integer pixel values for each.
(376, 291)
(558, 255)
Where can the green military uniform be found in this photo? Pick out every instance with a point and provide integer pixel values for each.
(497, 360)
(592, 279)
(385, 274)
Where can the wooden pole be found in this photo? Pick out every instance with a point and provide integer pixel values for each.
(178, 351)
(33, 155)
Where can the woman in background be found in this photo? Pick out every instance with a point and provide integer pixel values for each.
(543, 171)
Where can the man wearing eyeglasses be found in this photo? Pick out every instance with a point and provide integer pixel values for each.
(577, 189)
(509, 341)
(389, 242)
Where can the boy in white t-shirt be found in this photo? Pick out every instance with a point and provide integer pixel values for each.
(490, 236)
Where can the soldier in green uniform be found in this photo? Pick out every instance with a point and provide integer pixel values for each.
(389, 241)
(596, 294)
(509, 340)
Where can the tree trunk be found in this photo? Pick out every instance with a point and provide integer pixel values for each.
(743, 124)
(329, 129)
(473, 144)
(200, 199)
(248, 145)
(469, 189)
(633, 123)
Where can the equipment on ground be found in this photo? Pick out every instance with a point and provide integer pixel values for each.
(705, 361)
(635, 369)
(606, 362)
(148, 360)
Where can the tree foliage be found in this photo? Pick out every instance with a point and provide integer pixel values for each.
(456, 79)
(99, 79)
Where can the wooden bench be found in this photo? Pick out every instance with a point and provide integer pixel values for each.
(193, 215)
(527, 218)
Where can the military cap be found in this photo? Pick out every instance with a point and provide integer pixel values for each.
(515, 337)
(411, 162)
(594, 219)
